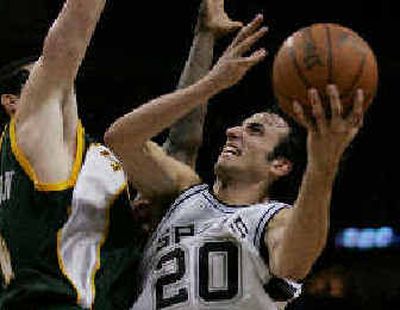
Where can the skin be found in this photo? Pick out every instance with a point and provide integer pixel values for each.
(47, 118)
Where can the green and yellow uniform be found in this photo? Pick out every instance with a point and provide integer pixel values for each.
(31, 213)
(67, 244)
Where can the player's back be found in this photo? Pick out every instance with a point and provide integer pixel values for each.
(207, 255)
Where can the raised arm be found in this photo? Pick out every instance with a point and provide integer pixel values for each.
(46, 118)
(129, 135)
(185, 137)
(297, 237)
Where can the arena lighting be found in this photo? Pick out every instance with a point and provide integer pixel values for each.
(367, 238)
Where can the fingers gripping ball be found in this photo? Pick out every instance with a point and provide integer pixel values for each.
(319, 55)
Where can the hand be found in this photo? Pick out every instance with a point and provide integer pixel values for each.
(232, 65)
(328, 138)
(213, 18)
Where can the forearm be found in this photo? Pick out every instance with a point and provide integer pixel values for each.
(185, 137)
(199, 60)
(69, 36)
(307, 227)
(148, 120)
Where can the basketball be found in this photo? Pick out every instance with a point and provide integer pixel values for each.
(319, 55)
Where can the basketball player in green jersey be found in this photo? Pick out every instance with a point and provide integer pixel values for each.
(41, 155)
(33, 275)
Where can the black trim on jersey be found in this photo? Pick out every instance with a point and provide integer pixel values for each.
(262, 224)
(189, 192)
(225, 204)
(218, 204)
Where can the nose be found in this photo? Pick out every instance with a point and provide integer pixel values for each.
(234, 132)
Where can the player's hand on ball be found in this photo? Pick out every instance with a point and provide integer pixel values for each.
(329, 137)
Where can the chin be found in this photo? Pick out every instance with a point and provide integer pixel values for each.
(226, 168)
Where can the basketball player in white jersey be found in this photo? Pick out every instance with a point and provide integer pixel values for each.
(230, 246)
(89, 232)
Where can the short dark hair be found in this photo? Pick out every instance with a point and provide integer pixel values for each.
(293, 148)
(13, 76)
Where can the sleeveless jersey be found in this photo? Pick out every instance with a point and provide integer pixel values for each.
(207, 255)
(31, 213)
(100, 243)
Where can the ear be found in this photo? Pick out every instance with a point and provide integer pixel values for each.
(4, 100)
(281, 167)
(8, 101)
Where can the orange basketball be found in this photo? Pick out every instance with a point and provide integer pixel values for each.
(319, 55)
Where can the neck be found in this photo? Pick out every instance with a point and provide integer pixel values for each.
(239, 193)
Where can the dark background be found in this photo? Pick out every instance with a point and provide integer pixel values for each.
(140, 47)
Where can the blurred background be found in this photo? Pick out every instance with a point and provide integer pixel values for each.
(138, 52)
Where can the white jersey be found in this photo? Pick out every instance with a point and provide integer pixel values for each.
(207, 255)
(100, 181)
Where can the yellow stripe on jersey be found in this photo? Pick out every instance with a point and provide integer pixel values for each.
(27, 167)
(99, 184)
(62, 266)
(103, 239)
(2, 135)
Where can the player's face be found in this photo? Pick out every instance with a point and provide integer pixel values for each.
(10, 103)
(247, 146)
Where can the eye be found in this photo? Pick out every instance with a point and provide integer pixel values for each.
(255, 128)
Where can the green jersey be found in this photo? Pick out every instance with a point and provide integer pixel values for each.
(31, 214)
(67, 244)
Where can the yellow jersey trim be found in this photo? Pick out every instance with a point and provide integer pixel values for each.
(62, 267)
(2, 135)
(27, 167)
(103, 239)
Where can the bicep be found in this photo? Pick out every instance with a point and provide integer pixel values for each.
(155, 174)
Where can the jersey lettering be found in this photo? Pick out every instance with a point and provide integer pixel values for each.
(218, 270)
(177, 258)
(221, 260)
(5, 185)
(239, 226)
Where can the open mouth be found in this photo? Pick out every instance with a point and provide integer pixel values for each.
(231, 150)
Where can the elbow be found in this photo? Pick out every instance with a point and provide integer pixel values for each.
(120, 141)
(298, 274)
(294, 272)
(292, 266)
(111, 139)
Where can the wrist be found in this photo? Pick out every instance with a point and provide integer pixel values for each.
(326, 169)
(211, 84)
